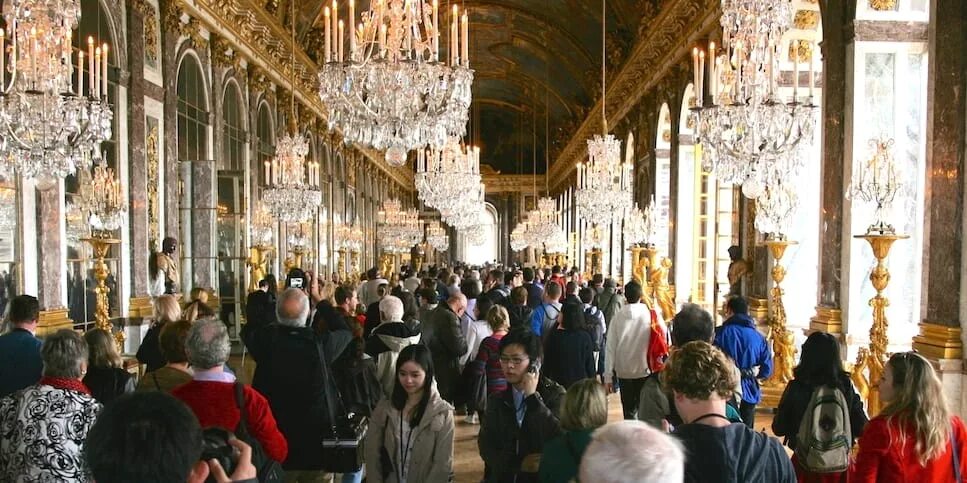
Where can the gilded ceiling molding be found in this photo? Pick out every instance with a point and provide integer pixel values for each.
(266, 43)
(510, 183)
(659, 48)
(257, 82)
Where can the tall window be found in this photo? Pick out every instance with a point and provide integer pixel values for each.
(192, 153)
(690, 176)
(231, 209)
(80, 274)
(663, 178)
(889, 102)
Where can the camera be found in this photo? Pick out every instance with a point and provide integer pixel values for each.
(296, 279)
(215, 446)
(296, 282)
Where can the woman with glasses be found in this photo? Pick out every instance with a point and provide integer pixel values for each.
(914, 438)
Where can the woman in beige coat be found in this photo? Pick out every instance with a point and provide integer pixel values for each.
(410, 436)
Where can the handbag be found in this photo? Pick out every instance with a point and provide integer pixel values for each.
(476, 388)
(267, 469)
(342, 447)
(657, 344)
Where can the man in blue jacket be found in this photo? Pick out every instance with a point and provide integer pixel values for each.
(740, 340)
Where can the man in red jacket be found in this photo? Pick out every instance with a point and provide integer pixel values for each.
(211, 393)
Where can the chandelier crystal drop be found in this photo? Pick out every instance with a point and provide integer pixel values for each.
(445, 177)
(292, 193)
(749, 127)
(106, 204)
(466, 211)
(391, 91)
(50, 125)
(775, 209)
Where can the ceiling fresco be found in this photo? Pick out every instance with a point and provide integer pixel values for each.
(522, 52)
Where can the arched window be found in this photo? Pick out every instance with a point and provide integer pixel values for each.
(198, 263)
(231, 209)
(663, 178)
(692, 227)
(94, 22)
(265, 130)
(486, 251)
(889, 102)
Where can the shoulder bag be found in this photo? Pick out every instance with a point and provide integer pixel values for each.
(267, 469)
(342, 446)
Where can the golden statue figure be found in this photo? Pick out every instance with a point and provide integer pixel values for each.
(661, 290)
(738, 269)
(257, 261)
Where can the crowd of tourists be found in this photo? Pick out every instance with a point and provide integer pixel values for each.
(369, 380)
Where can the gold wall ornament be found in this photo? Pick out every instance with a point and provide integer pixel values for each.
(151, 33)
(153, 161)
(801, 49)
(882, 5)
(806, 19)
(220, 52)
(257, 81)
(783, 347)
(874, 359)
(102, 317)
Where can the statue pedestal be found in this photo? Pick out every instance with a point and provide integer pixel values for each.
(52, 320)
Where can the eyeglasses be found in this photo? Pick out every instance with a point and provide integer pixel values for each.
(513, 361)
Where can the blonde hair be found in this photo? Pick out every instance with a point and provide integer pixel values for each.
(166, 309)
(102, 351)
(585, 406)
(328, 291)
(199, 294)
(918, 402)
(498, 318)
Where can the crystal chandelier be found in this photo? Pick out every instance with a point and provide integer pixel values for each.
(392, 91)
(348, 237)
(300, 237)
(596, 237)
(518, 237)
(876, 181)
(604, 184)
(445, 177)
(748, 128)
(106, 203)
(437, 237)
(556, 243)
(50, 126)
(543, 223)
(292, 191)
(466, 212)
(641, 226)
(775, 209)
(262, 227)
(399, 229)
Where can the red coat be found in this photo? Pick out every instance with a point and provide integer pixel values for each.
(214, 404)
(880, 461)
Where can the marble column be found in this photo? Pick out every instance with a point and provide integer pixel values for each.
(137, 169)
(51, 257)
(939, 336)
(835, 16)
(169, 67)
(203, 221)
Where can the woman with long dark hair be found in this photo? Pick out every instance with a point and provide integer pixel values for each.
(914, 437)
(410, 434)
(569, 351)
(819, 366)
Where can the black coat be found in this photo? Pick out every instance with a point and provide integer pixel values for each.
(443, 336)
(260, 308)
(149, 352)
(795, 400)
(329, 317)
(569, 356)
(107, 383)
(520, 316)
(503, 444)
(290, 375)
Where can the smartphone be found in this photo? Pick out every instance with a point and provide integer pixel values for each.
(296, 282)
(534, 367)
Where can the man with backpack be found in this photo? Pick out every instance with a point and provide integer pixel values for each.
(594, 320)
(546, 314)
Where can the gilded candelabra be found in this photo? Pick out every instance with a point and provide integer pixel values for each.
(651, 271)
(783, 348)
(354, 268)
(257, 265)
(102, 317)
(342, 265)
(873, 359)
(593, 262)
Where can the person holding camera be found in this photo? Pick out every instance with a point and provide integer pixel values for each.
(522, 418)
(411, 433)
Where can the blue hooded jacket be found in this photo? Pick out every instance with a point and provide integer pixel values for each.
(740, 340)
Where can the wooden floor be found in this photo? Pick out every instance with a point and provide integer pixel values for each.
(467, 465)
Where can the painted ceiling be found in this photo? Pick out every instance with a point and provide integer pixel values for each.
(522, 52)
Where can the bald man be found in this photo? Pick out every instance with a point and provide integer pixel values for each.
(442, 335)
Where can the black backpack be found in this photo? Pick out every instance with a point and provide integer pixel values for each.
(595, 327)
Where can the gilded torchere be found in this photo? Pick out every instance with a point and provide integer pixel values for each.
(783, 348)
(102, 317)
(257, 265)
(873, 359)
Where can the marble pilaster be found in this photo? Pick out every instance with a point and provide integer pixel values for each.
(832, 194)
(169, 63)
(203, 221)
(51, 248)
(137, 161)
